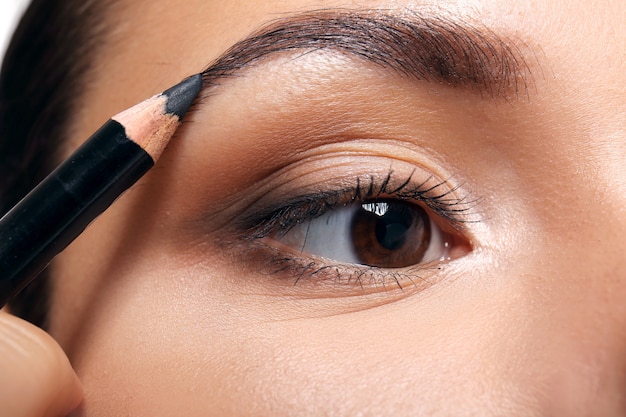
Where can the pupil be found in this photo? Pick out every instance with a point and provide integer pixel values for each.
(391, 229)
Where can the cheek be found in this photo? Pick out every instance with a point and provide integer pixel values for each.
(160, 337)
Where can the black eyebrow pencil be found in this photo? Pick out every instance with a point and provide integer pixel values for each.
(57, 210)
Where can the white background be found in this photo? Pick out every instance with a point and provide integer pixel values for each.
(10, 11)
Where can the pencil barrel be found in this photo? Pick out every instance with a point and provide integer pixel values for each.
(55, 212)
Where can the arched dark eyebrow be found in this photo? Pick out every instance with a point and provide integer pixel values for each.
(432, 49)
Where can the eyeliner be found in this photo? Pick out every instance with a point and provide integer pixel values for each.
(114, 158)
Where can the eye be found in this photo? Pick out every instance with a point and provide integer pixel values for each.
(382, 233)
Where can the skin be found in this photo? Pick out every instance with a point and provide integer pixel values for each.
(161, 312)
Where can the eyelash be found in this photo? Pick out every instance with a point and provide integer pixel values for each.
(439, 199)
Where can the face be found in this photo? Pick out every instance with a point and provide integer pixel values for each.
(329, 235)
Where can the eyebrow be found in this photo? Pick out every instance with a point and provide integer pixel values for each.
(428, 48)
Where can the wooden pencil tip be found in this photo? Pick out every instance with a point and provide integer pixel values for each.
(152, 122)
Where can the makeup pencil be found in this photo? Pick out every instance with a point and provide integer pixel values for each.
(57, 210)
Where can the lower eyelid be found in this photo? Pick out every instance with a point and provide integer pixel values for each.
(320, 275)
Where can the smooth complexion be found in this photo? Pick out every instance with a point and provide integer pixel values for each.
(526, 317)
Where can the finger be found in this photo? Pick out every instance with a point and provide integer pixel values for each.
(36, 378)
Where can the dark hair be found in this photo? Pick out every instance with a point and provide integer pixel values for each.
(45, 65)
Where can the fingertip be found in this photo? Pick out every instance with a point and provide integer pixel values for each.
(36, 378)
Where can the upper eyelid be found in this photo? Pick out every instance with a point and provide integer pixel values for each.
(456, 210)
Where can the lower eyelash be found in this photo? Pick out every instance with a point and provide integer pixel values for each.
(320, 272)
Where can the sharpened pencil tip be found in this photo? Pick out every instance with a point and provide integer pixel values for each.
(180, 97)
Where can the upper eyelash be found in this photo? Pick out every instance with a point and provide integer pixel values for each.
(456, 210)
(453, 209)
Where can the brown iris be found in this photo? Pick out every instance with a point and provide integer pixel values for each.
(390, 234)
